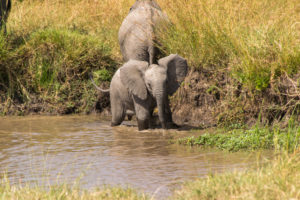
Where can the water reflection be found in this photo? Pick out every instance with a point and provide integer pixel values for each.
(50, 150)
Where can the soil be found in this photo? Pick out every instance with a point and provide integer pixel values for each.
(213, 98)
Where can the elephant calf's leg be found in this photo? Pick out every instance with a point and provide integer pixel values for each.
(117, 120)
(142, 113)
(118, 113)
(168, 115)
(117, 117)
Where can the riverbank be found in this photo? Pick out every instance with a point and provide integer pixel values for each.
(279, 179)
(243, 66)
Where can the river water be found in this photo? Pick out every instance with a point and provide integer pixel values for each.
(86, 150)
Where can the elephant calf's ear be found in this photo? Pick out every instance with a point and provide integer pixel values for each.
(131, 74)
(177, 70)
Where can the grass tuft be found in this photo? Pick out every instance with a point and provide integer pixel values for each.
(53, 66)
(256, 41)
(278, 180)
(257, 138)
(8, 191)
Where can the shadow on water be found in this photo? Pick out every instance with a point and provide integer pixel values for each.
(50, 150)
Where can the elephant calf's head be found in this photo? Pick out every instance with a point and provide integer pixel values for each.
(165, 78)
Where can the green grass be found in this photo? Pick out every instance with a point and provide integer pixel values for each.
(52, 66)
(256, 138)
(49, 52)
(279, 179)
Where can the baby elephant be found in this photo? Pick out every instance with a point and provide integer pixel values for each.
(137, 87)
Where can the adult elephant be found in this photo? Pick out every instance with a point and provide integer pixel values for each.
(137, 87)
(5, 7)
(137, 32)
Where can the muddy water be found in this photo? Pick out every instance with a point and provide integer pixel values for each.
(85, 149)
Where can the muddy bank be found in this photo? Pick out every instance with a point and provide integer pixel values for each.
(210, 98)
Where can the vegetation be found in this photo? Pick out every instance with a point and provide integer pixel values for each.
(52, 46)
(278, 180)
(66, 192)
(47, 57)
(256, 41)
(52, 66)
(248, 55)
(258, 137)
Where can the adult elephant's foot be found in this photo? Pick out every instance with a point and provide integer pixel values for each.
(129, 117)
(143, 124)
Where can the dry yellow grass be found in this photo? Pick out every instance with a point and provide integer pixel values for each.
(246, 35)
(94, 17)
(254, 40)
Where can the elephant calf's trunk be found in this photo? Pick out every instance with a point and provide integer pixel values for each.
(161, 109)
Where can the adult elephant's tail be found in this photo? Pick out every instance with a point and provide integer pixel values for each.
(5, 7)
(8, 6)
(98, 88)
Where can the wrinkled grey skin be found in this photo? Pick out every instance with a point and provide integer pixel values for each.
(139, 87)
(136, 34)
(5, 6)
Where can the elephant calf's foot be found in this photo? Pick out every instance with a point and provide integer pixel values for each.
(164, 125)
(143, 124)
(115, 123)
(172, 125)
